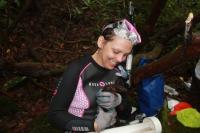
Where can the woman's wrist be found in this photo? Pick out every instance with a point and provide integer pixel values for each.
(95, 126)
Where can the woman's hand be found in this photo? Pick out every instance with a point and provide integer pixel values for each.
(104, 119)
(122, 72)
(108, 100)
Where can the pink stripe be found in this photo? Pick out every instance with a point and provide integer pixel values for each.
(84, 68)
(80, 101)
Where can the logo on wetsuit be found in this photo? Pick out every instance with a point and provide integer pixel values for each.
(101, 83)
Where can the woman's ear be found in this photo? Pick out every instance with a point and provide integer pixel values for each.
(101, 42)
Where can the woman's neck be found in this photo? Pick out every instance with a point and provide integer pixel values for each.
(96, 57)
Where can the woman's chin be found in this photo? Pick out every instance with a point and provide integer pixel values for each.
(110, 67)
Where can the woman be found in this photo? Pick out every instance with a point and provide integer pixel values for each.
(74, 107)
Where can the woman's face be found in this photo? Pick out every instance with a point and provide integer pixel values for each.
(113, 52)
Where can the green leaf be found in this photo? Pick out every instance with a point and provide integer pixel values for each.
(13, 82)
(87, 2)
(77, 11)
(3, 4)
(17, 2)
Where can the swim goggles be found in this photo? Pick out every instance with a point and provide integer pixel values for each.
(126, 30)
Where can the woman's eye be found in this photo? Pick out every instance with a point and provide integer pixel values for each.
(116, 52)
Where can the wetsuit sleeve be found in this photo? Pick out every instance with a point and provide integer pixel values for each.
(58, 110)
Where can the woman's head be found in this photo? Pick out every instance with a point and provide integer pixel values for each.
(115, 43)
(123, 29)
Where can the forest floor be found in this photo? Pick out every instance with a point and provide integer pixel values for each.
(54, 38)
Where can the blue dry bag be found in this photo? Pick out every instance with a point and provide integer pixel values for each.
(151, 93)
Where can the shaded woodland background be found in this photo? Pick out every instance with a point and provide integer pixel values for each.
(39, 38)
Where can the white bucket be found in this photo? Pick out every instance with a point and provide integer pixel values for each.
(149, 125)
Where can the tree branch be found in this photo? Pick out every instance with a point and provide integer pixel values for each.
(179, 56)
(175, 29)
(35, 69)
(149, 25)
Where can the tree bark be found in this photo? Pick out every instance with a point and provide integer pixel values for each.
(35, 69)
(169, 61)
(176, 29)
(149, 25)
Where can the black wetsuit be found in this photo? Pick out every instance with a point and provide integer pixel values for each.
(74, 107)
